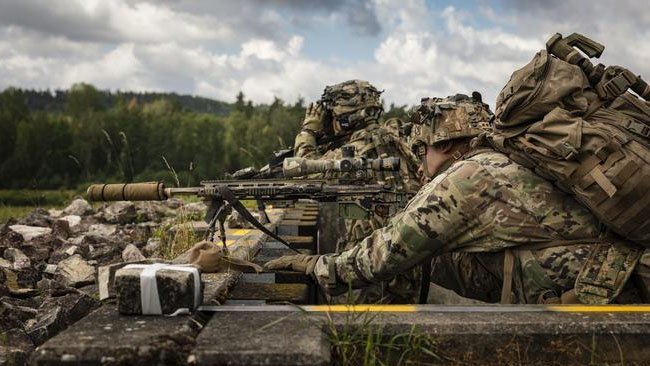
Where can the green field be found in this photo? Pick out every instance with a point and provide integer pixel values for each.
(19, 202)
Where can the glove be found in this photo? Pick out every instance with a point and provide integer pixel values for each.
(314, 118)
(298, 263)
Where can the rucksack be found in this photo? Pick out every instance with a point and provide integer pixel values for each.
(577, 125)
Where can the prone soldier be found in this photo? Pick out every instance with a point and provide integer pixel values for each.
(497, 232)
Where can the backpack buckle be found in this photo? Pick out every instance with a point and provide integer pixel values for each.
(638, 128)
(616, 85)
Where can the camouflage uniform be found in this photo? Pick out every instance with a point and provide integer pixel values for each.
(498, 231)
(479, 207)
(371, 139)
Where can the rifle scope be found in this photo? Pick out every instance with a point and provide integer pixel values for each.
(299, 167)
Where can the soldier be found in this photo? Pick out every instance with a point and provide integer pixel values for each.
(349, 113)
(498, 231)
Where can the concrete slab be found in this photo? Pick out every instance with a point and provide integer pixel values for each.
(561, 335)
(262, 339)
(105, 337)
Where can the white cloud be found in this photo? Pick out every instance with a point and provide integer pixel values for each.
(216, 49)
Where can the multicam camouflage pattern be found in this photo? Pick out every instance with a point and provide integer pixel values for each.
(351, 96)
(372, 139)
(476, 209)
(438, 120)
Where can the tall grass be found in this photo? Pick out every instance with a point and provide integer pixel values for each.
(357, 340)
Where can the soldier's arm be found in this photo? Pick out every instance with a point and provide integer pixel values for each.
(305, 145)
(429, 225)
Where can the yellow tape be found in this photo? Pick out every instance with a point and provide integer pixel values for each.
(238, 232)
(362, 308)
(600, 308)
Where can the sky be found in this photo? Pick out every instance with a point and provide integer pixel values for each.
(294, 48)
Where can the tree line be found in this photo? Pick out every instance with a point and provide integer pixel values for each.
(67, 139)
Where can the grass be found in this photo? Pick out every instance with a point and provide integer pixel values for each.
(177, 236)
(17, 203)
(358, 341)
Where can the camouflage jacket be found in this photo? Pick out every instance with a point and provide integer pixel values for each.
(483, 203)
(373, 141)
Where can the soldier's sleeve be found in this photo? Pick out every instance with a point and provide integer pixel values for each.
(305, 146)
(429, 225)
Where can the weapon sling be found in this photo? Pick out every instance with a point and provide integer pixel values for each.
(227, 195)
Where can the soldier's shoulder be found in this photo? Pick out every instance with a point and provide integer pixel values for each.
(475, 168)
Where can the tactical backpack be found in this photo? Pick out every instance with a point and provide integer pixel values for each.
(577, 125)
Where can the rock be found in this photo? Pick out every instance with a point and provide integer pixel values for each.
(20, 278)
(103, 253)
(73, 220)
(44, 285)
(195, 209)
(79, 207)
(17, 312)
(15, 348)
(75, 272)
(173, 203)
(18, 283)
(54, 212)
(57, 313)
(132, 254)
(61, 229)
(9, 238)
(50, 269)
(39, 249)
(19, 259)
(152, 247)
(38, 217)
(77, 240)
(101, 230)
(121, 212)
(175, 290)
(5, 263)
(152, 211)
(71, 250)
(30, 232)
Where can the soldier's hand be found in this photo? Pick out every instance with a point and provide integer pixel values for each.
(298, 263)
(314, 118)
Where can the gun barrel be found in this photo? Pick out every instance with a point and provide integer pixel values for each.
(152, 191)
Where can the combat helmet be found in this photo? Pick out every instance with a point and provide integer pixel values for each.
(352, 103)
(437, 120)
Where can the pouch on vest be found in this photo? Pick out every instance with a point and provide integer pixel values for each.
(606, 272)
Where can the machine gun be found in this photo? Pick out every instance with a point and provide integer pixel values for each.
(356, 199)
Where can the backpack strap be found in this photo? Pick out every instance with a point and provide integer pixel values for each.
(617, 80)
(509, 260)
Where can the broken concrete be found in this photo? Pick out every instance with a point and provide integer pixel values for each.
(131, 253)
(30, 232)
(101, 230)
(75, 272)
(15, 347)
(57, 313)
(18, 258)
(176, 289)
(122, 212)
(78, 207)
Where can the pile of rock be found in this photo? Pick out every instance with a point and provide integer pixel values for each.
(49, 261)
